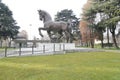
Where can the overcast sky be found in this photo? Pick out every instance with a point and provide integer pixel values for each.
(26, 15)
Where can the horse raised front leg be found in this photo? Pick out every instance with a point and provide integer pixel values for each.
(39, 29)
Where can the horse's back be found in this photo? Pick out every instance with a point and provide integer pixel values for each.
(56, 24)
(61, 24)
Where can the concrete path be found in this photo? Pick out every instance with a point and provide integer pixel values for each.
(117, 51)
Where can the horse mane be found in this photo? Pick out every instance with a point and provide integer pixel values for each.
(47, 14)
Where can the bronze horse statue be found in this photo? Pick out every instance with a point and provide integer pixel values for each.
(53, 27)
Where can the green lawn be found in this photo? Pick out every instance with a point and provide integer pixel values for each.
(73, 66)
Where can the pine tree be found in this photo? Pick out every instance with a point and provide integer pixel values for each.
(8, 26)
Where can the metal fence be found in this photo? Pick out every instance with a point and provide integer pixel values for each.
(42, 49)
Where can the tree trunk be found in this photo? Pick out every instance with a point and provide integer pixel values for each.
(92, 43)
(10, 43)
(102, 40)
(108, 39)
(1, 42)
(102, 44)
(112, 30)
(114, 40)
(91, 38)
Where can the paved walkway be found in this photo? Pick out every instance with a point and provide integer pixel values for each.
(118, 51)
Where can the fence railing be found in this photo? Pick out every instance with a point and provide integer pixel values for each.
(41, 49)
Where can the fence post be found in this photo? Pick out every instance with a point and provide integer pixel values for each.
(63, 47)
(54, 48)
(32, 49)
(5, 51)
(20, 45)
(43, 48)
(60, 47)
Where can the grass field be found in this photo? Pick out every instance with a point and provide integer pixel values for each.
(73, 66)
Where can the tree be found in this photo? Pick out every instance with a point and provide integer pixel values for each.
(109, 11)
(89, 16)
(22, 35)
(65, 15)
(8, 26)
(68, 16)
(100, 29)
(86, 25)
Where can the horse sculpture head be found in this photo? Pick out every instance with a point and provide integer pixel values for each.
(44, 16)
(41, 14)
